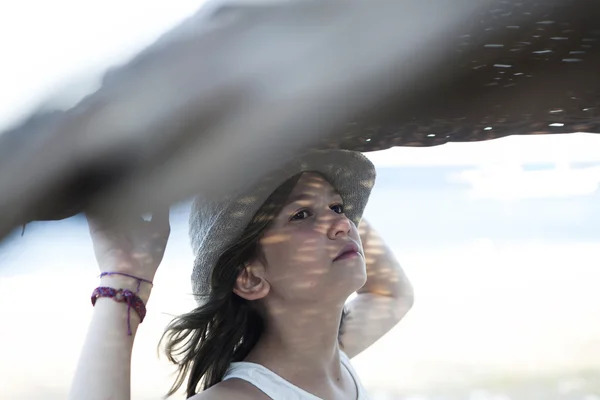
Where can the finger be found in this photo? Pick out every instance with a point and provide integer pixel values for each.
(160, 219)
(96, 223)
(102, 219)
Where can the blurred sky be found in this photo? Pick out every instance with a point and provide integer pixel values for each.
(500, 238)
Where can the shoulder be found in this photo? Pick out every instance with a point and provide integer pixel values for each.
(235, 389)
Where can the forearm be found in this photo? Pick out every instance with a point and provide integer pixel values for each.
(384, 299)
(104, 367)
(385, 276)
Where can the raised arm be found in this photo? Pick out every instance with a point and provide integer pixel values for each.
(382, 302)
(104, 367)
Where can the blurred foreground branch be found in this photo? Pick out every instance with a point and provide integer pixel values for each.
(220, 100)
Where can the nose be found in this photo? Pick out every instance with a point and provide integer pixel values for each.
(341, 226)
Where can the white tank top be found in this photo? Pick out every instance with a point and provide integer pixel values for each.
(278, 388)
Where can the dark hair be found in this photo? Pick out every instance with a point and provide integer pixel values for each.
(203, 342)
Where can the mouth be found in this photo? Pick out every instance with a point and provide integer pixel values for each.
(348, 251)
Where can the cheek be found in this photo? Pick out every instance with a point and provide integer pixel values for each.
(298, 252)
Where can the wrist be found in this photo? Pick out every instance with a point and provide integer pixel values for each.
(124, 282)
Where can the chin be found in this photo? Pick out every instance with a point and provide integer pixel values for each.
(360, 282)
(356, 277)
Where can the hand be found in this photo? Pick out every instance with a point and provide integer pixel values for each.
(135, 247)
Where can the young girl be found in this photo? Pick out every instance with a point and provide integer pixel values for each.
(275, 265)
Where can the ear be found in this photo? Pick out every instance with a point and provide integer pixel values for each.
(251, 283)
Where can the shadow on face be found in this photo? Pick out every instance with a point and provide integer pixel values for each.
(311, 254)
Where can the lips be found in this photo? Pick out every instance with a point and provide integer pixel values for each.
(349, 249)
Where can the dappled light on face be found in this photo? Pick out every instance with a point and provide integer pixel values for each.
(308, 285)
(309, 289)
(274, 239)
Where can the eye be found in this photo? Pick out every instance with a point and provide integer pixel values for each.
(300, 215)
(338, 208)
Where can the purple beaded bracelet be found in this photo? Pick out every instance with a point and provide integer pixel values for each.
(122, 296)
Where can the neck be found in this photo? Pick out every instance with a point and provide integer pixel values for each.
(300, 343)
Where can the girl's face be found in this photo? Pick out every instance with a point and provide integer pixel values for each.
(312, 250)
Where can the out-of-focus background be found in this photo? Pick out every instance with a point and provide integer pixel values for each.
(500, 239)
